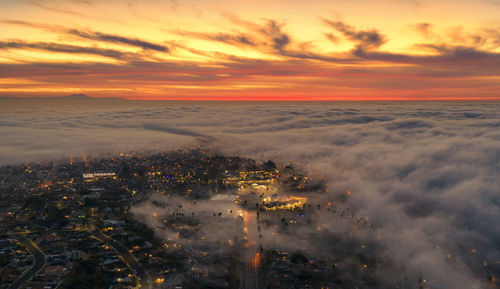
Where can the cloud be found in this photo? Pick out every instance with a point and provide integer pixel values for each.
(450, 56)
(424, 28)
(368, 39)
(177, 131)
(271, 31)
(118, 39)
(465, 67)
(274, 31)
(331, 37)
(66, 48)
(57, 9)
(409, 124)
(425, 174)
(213, 228)
(233, 39)
(494, 35)
(275, 40)
(46, 27)
(92, 35)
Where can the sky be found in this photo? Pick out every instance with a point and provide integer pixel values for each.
(251, 50)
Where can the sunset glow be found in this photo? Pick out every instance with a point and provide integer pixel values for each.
(251, 50)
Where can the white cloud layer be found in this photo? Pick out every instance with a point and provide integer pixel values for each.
(427, 174)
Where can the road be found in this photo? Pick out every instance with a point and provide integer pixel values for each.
(250, 256)
(128, 258)
(39, 261)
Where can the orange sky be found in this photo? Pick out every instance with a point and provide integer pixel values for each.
(261, 50)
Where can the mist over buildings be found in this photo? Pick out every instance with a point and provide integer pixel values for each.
(425, 174)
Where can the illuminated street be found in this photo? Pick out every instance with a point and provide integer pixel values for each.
(38, 263)
(250, 255)
(128, 258)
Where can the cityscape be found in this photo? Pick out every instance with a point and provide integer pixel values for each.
(183, 219)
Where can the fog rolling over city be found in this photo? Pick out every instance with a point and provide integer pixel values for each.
(426, 175)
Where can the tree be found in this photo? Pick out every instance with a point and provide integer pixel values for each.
(270, 165)
(86, 274)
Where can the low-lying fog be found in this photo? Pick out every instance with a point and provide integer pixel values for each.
(427, 173)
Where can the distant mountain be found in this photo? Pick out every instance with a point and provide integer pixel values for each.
(76, 96)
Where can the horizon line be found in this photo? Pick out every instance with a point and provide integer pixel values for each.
(257, 99)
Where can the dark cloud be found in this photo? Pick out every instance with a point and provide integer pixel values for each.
(368, 39)
(92, 35)
(177, 131)
(460, 53)
(409, 124)
(156, 127)
(274, 31)
(234, 39)
(277, 41)
(118, 39)
(65, 48)
(453, 57)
